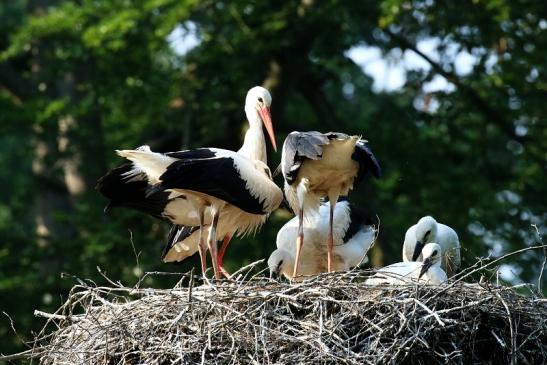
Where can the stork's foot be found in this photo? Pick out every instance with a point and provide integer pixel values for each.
(224, 272)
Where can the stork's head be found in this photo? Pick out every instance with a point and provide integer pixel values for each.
(432, 257)
(426, 231)
(257, 107)
(281, 262)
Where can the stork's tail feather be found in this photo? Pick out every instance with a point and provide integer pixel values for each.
(153, 164)
(124, 186)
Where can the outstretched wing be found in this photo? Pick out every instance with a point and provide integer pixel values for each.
(297, 147)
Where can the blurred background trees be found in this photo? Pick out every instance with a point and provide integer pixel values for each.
(451, 96)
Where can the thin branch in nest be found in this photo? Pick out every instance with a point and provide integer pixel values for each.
(328, 318)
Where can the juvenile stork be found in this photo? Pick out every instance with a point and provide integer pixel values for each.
(317, 165)
(202, 186)
(353, 232)
(428, 230)
(429, 271)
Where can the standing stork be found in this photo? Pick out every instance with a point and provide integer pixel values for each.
(202, 186)
(317, 165)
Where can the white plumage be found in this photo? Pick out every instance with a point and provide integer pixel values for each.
(429, 271)
(428, 230)
(185, 203)
(353, 236)
(202, 186)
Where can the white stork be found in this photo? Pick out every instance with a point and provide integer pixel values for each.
(353, 234)
(202, 186)
(317, 165)
(428, 230)
(429, 271)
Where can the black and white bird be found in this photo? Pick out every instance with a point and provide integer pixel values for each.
(428, 230)
(317, 165)
(429, 271)
(203, 186)
(353, 234)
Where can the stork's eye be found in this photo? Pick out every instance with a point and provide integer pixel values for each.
(434, 253)
(261, 100)
(427, 234)
(279, 266)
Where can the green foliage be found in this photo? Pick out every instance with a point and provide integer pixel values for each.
(80, 79)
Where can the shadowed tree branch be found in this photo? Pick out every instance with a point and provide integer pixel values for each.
(493, 115)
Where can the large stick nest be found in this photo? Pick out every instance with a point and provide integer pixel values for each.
(329, 318)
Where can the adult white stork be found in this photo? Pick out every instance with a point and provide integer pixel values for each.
(429, 271)
(428, 230)
(353, 232)
(317, 165)
(202, 186)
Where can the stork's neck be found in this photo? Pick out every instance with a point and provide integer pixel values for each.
(254, 145)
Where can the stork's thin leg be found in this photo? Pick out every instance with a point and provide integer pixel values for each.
(330, 238)
(221, 253)
(212, 241)
(299, 240)
(201, 245)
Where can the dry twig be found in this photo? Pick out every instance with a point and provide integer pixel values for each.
(330, 318)
(326, 319)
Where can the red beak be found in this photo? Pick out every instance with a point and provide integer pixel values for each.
(267, 120)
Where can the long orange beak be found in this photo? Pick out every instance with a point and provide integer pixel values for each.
(267, 120)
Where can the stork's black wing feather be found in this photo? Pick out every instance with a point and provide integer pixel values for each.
(177, 234)
(367, 161)
(195, 154)
(358, 219)
(218, 177)
(131, 192)
(297, 147)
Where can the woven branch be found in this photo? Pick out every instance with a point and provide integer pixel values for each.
(331, 318)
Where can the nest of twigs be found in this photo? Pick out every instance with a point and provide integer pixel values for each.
(332, 318)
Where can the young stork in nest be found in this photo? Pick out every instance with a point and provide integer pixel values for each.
(428, 230)
(317, 165)
(203, 186)
(429, 271)
(353, 231)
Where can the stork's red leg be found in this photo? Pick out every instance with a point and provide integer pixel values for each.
(299, 241)
(221, 253)
(223, 248)
(330, 238)
(201, 246)
(212, 242)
